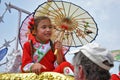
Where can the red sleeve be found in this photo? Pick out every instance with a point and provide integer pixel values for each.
(114, 77)
(26, 56)
(61, 67)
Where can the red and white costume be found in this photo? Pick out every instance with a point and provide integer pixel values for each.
(48, 59)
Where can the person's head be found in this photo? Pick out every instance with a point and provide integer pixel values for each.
(42, 28)
(92, 62)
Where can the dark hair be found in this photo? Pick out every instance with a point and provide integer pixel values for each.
(91, 70)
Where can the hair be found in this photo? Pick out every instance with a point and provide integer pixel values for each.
(36, 22)
(91, 70)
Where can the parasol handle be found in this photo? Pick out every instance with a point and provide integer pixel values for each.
(60, 39)
(55, 51)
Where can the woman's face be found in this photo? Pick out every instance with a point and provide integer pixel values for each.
(44, 30)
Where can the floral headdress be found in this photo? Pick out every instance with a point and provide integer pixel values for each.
(31, 32)
(31, 24)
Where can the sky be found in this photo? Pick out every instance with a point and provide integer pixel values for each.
(105, 13)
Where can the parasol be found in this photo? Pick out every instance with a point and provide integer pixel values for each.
(73, 24)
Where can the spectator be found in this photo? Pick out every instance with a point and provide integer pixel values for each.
(92, 62)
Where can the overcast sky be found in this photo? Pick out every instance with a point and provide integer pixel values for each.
(105, 13)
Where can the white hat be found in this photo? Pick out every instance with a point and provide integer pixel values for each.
(97, 54)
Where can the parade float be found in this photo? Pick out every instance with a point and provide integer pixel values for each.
(75, 26)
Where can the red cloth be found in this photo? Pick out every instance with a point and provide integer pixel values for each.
(115, 77)
(61, 67)
(48, 60)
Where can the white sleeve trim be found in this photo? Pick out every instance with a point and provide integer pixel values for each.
(27, 67)
(55, 64)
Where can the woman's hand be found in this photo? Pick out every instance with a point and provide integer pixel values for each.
(36, 68)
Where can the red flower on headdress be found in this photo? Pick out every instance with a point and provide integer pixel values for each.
(31, 23)
(29, 27)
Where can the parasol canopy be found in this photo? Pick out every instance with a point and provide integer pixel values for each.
(73, 24)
